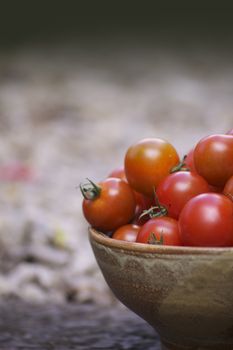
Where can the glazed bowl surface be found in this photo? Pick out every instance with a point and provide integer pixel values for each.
(185, 293)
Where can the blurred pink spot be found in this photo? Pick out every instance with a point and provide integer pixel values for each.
(16, 172)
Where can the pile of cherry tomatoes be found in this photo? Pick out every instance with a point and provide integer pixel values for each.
(158, 198)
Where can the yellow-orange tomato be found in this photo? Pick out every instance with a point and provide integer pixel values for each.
(148, 162)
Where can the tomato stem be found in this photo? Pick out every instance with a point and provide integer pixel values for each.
(181, 166)
(90, 190)
(156, 199)
(155, 211)
(154, 240)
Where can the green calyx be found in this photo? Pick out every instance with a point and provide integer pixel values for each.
(90, 190)
(154, 240)
(180, 167)
(156, 211)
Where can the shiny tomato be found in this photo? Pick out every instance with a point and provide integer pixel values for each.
(207, 221)
(189, 161)
(213, 157)
(178, 188)
(160, 230)
(148, 162)
(228, 189)
(126, 233)
(108, 205)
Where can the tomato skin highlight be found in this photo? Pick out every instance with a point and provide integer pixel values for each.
(178, 188)
(126, 233)
(114, 207)
(213, 158)
(164, 228)
(147, 162)
(207, 221)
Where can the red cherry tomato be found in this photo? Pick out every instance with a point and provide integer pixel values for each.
(161, 230)
(213, 157)
(126, 233)
(108, 205)
(228, 189)
(178, 188)
(147, 162)
(207, 221)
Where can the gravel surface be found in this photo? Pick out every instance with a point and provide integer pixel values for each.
(67, 114)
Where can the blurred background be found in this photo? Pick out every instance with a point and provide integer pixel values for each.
(79, 83)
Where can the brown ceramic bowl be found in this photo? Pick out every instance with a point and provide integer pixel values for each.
(185, 293)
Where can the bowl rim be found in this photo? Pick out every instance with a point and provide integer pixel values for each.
(103, 239)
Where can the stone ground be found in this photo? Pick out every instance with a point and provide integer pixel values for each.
(25, 326)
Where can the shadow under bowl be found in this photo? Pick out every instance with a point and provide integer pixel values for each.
(185, 293)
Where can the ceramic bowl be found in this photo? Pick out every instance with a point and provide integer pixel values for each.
(185, 293)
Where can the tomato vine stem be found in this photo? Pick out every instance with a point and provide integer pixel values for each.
(181, 166)
(155, 211)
